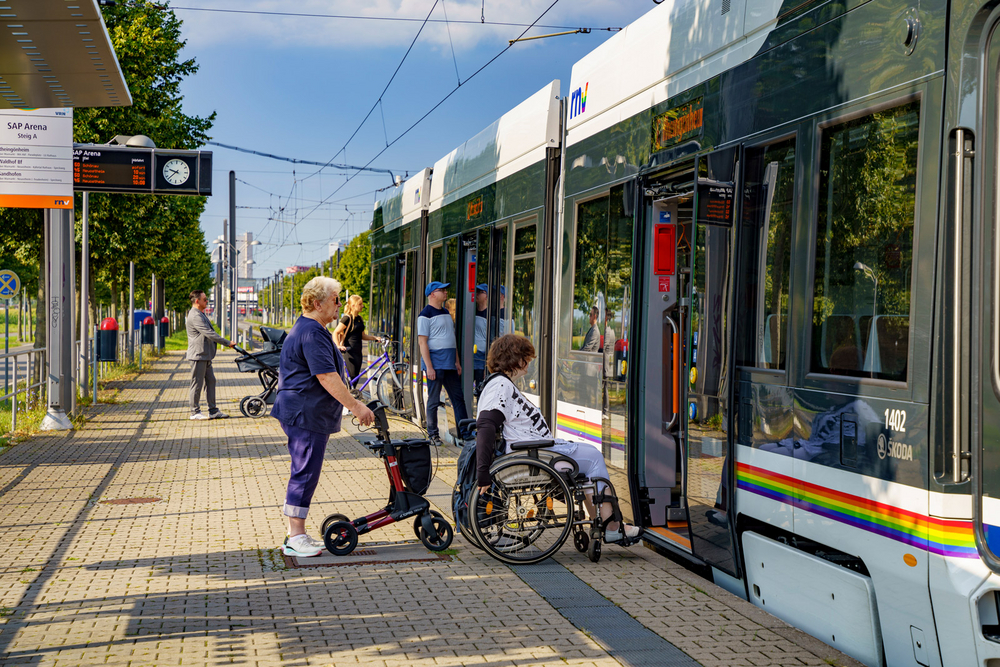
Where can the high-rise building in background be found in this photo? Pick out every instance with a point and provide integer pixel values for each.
(245, 250)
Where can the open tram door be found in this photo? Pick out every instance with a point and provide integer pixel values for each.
(684, 471)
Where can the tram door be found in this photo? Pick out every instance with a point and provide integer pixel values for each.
(708, 363)
(465, 313)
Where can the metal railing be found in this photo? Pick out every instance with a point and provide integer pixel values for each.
(34, 361)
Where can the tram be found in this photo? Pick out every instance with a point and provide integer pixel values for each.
(762, 273)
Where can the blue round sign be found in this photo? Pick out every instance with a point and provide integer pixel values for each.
(10, 284)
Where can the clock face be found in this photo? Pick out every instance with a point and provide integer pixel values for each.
(176, 172)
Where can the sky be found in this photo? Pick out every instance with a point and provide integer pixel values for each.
(300, 87)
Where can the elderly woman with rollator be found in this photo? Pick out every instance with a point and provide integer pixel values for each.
(312, 395)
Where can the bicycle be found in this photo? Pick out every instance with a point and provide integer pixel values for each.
(391, 381)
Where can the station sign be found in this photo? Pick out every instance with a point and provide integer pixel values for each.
(123, 169)
(36, 158)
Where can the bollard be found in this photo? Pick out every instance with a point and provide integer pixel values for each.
(93, 347)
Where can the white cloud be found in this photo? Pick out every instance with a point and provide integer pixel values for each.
(204, 28)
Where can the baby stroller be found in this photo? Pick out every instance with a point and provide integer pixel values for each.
(265, 364)
(408, 466)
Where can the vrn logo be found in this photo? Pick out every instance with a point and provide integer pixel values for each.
(578, 101)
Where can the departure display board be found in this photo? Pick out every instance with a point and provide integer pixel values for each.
(715, 202)
(100, 169)
(105, 168)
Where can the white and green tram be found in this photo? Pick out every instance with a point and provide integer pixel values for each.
(761, 269)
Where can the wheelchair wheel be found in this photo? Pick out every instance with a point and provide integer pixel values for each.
(330, 520)
(525, 516)
(340, 538)
(442, 537)
(594, 550)
(581, 541)
(416, 521)
(392, 387)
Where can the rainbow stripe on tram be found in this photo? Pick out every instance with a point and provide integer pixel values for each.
(579, 427)
(939, 536)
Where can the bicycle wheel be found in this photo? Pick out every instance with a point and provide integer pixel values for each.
(392, 387)
(526, 515)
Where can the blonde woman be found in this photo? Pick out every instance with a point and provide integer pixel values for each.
(350, 334)
(312, 395)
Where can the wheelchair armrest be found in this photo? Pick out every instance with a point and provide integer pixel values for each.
(465, 424)
(531, 444)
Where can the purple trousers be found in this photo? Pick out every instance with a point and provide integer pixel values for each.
(307, 449)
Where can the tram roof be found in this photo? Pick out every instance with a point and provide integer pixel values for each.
(57, 53)
(514, 141)
(404, 203)
(670, 49)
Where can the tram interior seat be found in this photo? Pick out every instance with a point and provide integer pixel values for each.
(848, 343)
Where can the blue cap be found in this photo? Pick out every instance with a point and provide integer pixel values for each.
(483, 287)
(433, 285)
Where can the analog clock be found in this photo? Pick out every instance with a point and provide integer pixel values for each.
(176, 172)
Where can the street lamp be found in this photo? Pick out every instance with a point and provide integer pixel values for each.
(873, 361)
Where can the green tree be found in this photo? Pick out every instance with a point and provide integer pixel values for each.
(355, 270)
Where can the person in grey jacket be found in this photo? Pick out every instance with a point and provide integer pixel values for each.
(202, 341)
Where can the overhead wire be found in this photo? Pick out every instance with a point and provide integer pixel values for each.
(434, 108)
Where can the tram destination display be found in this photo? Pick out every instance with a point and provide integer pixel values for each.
(715, 202)
(104, 170)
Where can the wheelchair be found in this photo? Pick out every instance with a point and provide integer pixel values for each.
(536, 499)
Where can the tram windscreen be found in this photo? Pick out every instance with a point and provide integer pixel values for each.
(864, 253)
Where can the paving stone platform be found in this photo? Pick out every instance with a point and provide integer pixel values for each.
(193, 575)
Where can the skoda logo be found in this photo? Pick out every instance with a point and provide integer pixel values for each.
(883, 446)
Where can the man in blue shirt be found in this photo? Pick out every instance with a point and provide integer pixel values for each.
(439, 357)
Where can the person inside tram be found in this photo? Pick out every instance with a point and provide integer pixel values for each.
(479, 354)
(502, 406)
(609, 355)
(592, 341)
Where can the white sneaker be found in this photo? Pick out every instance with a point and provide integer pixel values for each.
(631, 532)
(302, 546)
(199, 416)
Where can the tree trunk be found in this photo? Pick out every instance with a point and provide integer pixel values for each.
(114, 299)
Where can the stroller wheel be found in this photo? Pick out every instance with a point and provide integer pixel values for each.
(330, 520)
(581, 541)
(340, 538)
(442, 538)
(255, 407)
(243, 405)
(416, 521)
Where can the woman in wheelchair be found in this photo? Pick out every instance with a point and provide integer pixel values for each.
(502, 405)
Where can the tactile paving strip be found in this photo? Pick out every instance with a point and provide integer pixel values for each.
(627, 640)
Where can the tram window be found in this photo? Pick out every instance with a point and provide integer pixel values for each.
(451, 273)
(522, 308)
(864, 253)
(524, 240)
(603, 272)
(437, 253)
(590, 275)
(767, 220)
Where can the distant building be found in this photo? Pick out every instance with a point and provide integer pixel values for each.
(245, 250)
(292, 270)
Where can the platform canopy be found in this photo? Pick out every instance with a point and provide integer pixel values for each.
(57, 53)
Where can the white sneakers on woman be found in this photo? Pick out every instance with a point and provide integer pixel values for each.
(302, 546)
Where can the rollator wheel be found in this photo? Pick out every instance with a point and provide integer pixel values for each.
(594, 551)
(330, 520)
(442, 537)
(243, 404)
(255, 407)
(416, 521)
(340, 538)
(581, 541)
(525, 517)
